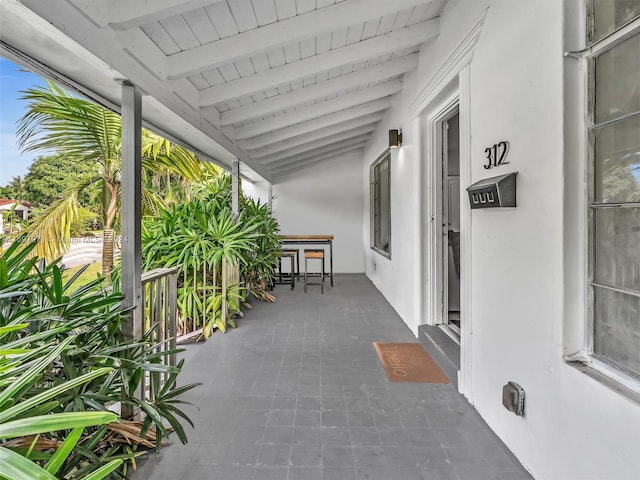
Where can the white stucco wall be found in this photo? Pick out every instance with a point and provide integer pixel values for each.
(326, 199)
(259, 191)
(574, 428)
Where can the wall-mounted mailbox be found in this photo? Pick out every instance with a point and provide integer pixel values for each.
(494, 192)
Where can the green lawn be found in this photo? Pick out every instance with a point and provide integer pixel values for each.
(94, 270)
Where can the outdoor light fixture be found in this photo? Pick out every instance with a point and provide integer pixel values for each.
(395, 138)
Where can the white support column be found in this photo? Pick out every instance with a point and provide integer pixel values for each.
(270, 201)
(235, 188)
(132, 207)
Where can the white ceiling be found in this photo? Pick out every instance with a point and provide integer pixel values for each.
(278, 84)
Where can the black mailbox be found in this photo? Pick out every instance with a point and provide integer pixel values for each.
(494, 192)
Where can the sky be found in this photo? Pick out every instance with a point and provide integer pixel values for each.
(12, 81)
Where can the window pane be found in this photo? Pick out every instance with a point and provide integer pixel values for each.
(385, 207)
(617, 247)
(617, 329)
(617, 161)
(608, 15)
(381, 203)
(616, 74)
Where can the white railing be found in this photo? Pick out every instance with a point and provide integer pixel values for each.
(159, 298)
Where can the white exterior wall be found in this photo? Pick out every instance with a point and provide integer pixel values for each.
(574, 428)
(259, 191)
(325, 199)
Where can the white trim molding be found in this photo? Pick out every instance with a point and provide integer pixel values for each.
(448, 71)
(466, 310)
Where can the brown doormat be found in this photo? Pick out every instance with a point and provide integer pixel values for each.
(409, 362)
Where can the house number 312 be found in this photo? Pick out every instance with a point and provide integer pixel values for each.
(496, 155)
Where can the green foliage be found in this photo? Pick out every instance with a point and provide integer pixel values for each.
(14, 190)
(260, 262)
(74, 128)
(63, 364)
(6, 192)
(202, 238)
(84, 222)
(49, 176)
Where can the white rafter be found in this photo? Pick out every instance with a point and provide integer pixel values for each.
(380, 72)
(360, 112)
(317, 158)
(293, 158)
(126, 14)
(318, 110)
(369, 120)
(376, 46)
(271, 80)
(319, 143)
(312, 162)
(324, 20)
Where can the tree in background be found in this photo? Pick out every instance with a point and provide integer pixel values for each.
(49, 176)
(6, 192)
(14, 190)
(59, 122)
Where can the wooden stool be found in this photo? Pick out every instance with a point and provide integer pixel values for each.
(310, 254)
(291, 254)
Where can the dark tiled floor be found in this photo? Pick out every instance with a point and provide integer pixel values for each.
(296, 392)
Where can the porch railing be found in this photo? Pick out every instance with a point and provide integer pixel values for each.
(159, 297)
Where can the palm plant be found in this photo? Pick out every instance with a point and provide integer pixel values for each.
(59, 122)
(202, 238)
(62, 355)
(260, 262)
(36, 414)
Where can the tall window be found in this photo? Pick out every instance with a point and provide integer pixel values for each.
(380, 179)
(613, 35)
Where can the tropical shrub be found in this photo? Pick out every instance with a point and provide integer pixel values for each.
(59, 122)
(207, 244)
(259, 263)
(62, 356)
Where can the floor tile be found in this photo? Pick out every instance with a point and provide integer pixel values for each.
(298, 393)
(337, 456)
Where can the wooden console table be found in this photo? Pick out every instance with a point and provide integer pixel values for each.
(312, 240)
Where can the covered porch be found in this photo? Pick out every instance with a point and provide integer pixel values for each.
(297, 98)
(297, 392)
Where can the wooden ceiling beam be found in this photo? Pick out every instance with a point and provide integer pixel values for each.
(336, 129)
(127, 14)
(362, 139)
(315, 144)
(308, 162)
(355, 114)
(376, 73)
(350, 54)
(262, 39)
(318, 110)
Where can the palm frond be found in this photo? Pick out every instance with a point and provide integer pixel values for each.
(159, 154)
(59, 122)
(152, 203)
(53, 226)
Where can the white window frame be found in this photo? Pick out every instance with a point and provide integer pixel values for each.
(579, 165)
(374, 207)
